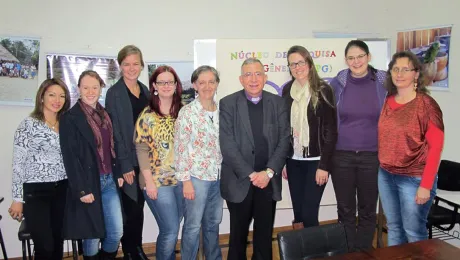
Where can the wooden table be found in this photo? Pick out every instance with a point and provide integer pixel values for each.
(432, 249)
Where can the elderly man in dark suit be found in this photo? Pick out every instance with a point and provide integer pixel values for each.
(254, 139)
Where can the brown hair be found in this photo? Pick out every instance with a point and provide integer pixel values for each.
(155, 101)
(128, 50)
(93, 74)
(37, 113)
(421, 85)
(315, 82)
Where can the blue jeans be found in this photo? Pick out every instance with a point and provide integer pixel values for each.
(406, 220)
(113, 219)
(205, 210)
(168, 210)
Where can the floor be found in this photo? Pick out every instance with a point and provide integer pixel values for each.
(150, 248)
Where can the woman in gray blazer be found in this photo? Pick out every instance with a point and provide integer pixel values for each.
(125, 101)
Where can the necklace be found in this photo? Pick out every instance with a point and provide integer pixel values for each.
(53, 126)
(210, 111)
(211, 116)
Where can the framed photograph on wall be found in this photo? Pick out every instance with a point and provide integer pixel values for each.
(19, 59)
(432, 47)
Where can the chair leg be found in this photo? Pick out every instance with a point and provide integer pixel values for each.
(24, 253)
(430, 232)
(80, 246)
(2, 242)
(29, 250)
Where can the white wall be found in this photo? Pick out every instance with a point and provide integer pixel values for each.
(402, 15)
(166, 30)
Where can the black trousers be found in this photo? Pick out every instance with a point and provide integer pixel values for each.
(134, 219)
(259, 205)
(354, 175)
(44, 212)
(305, 193)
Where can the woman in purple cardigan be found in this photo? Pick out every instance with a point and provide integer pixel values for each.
(359, 94)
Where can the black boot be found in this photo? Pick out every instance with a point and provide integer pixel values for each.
(141, 254)
(107, 256)
(127, 256)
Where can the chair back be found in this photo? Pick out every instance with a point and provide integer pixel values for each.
(313, 242)
(449, 176)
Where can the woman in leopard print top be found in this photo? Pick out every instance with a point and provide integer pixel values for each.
(154, 137)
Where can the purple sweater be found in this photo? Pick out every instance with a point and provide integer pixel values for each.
(358, 113)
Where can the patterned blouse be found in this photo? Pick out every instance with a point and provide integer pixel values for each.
(36, 156)
(154, 136)
(196, 143)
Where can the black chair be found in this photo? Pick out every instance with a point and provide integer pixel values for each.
(24, 237)
(314, 242)
(439, 216)
(449, 176)
(2, 242)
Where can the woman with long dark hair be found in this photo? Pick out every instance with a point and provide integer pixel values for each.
(313, 135)
(154, 139)
(39, 178)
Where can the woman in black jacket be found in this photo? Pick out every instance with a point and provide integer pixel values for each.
(93, 210)
(124, 102)
(313, 136)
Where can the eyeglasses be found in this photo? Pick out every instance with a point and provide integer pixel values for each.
(250, 74)
(164, 83)
(211, 83)
(403, 71)
(297, 64)
(358, 58)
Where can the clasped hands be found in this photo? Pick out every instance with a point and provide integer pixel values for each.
(259, 179)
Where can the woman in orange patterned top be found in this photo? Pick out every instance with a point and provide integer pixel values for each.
(154, 137)
(411, 137)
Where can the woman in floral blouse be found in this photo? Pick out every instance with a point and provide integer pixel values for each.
(197, 161)
(154, 136)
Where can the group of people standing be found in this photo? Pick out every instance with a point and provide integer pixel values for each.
(86, 172)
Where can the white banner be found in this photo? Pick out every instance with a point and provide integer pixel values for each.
(328, 56)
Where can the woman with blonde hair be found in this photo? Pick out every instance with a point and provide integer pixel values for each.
(125, 100)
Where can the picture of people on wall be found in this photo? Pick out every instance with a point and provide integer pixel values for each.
(19, 58)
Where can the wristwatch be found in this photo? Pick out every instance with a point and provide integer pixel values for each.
(270, 172)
